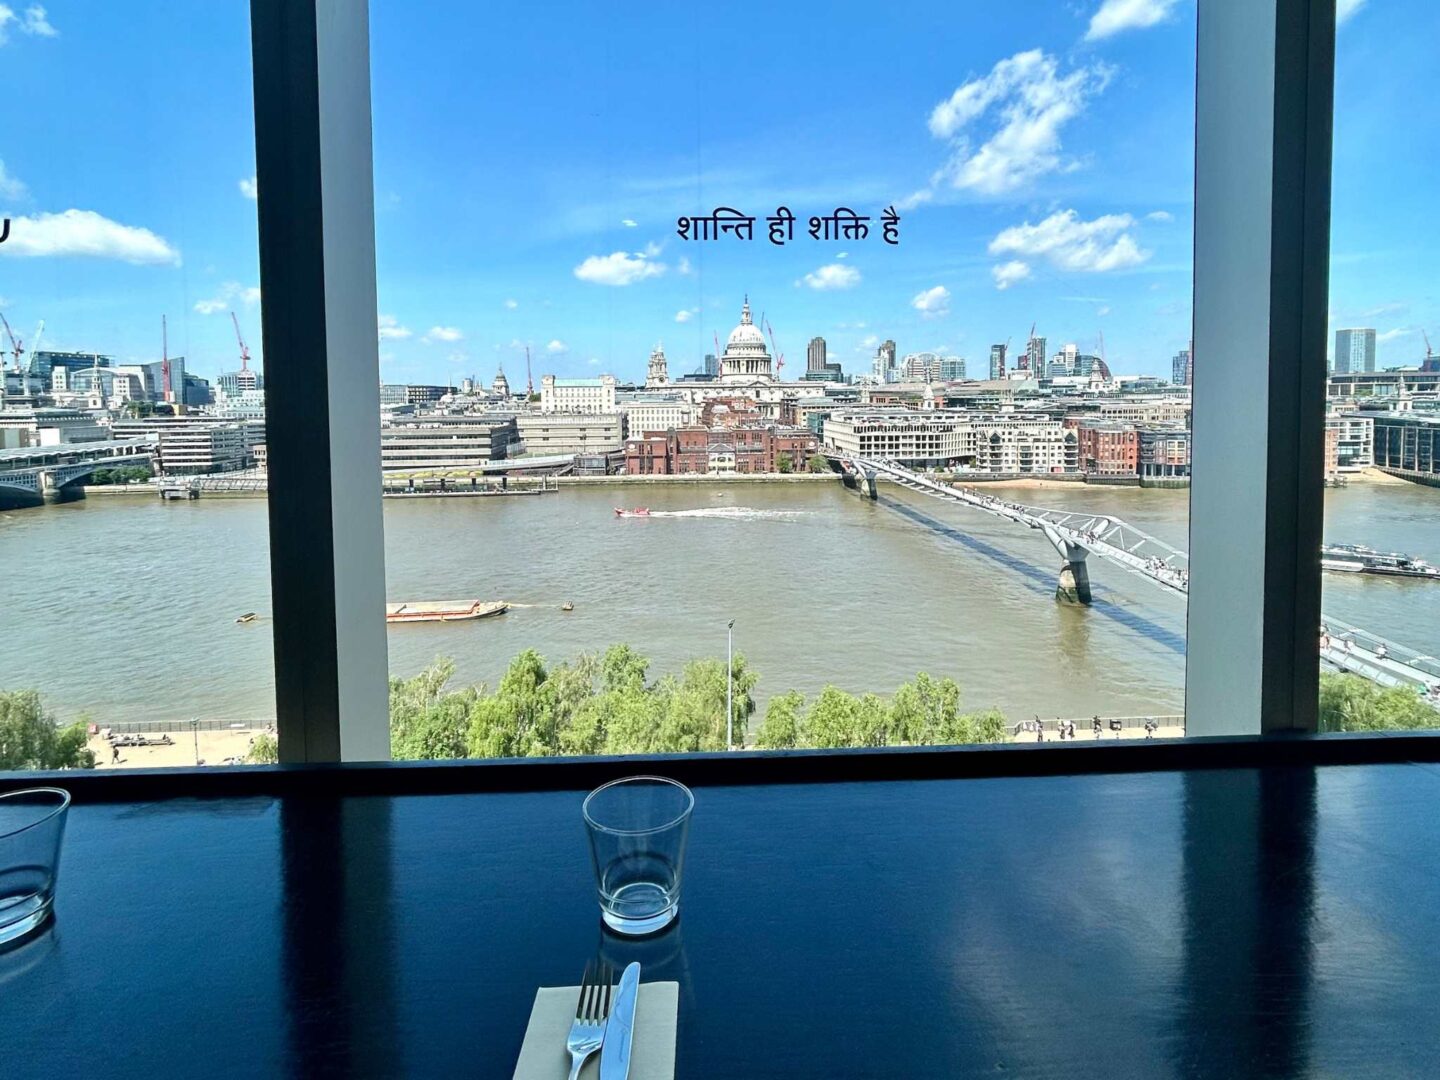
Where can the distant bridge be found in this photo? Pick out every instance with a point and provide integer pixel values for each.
(1076, 535)
(33, 474)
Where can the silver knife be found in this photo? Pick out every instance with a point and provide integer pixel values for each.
(615, 1053)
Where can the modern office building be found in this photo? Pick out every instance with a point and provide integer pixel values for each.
(1409, 443)
(712, 366)
(191, 445)
(1354, 436)
(1165, 456)
(1354, 350)
(1180, 368)
(885, 366)
(1034, 358)
(44, 363)
(997, 361)
(445, 442)
(571, 433)
(1401, 383)
(815, 355)
(951, 369)
(406, 394)
(233, 382)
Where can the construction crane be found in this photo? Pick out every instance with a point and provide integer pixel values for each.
(1429, 352)
(779, 356)
(166, 392)
(529, 378)
(244, 349)
(17, 347)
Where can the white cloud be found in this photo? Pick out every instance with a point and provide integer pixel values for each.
(1391, 335)
(594, 361)
(511, 305)
(1103, 310)
(86, 233)
(1069, 243)
(842, 255)
(683, 267)
(33, 22)
(390, 328)
(11, 189)
(557, 347)
(628, 223)
(1346, 8)
(1010, 273)
(1160, 215)
(932, 303)
(686, 314)
(458, 357)
(1113, 16)
(249, 188)
(618, 268)
(833, 276)
(869, 341)
(1031, 102)
(230, 293)
(442, 333)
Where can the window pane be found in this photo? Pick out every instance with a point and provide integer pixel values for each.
(137, 582)
(628, 413)
(1382, 422)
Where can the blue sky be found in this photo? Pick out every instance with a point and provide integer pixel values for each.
(1040, 152)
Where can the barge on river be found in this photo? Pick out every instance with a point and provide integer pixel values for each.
(443, 610)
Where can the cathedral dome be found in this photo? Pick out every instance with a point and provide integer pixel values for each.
(746, 357)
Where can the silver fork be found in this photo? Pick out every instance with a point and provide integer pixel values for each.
(587, 1031)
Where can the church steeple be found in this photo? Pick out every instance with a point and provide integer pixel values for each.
(745, 319)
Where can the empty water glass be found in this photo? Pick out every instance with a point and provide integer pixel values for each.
(638, 827)
(32, 824)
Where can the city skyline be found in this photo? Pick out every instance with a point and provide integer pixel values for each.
(1075, 215)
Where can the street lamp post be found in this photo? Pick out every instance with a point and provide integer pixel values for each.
(729, 685)
(195, 731)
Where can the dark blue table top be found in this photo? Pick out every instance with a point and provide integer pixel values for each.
(1278, 922)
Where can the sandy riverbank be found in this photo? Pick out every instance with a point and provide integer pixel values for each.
(215, 747)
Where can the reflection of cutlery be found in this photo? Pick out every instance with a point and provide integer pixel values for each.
(587, 1031)
(615, 1057)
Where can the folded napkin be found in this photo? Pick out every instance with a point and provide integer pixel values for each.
(652, 1055)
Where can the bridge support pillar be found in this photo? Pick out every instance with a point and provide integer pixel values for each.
(862, 483)
(50, 491)
(1074, 585)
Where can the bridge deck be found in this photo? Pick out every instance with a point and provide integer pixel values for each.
(1343, 646)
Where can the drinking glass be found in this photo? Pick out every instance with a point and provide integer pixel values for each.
(32, 824)
(638, 828)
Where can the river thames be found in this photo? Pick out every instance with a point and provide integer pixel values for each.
(124, 608)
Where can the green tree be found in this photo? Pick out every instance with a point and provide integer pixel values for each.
(622, 668)
(780, 730)
(138, 410)
(784, 463)
(264, 750)
(818, 463)
(426, 722)
(832, 722)
(30, 738)
(1352, 703)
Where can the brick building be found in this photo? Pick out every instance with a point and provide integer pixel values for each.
(700, 450)
(1109, 449)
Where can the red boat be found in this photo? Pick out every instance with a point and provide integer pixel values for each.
(639, 511)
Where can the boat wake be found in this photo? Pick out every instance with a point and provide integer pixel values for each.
(734, 513)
